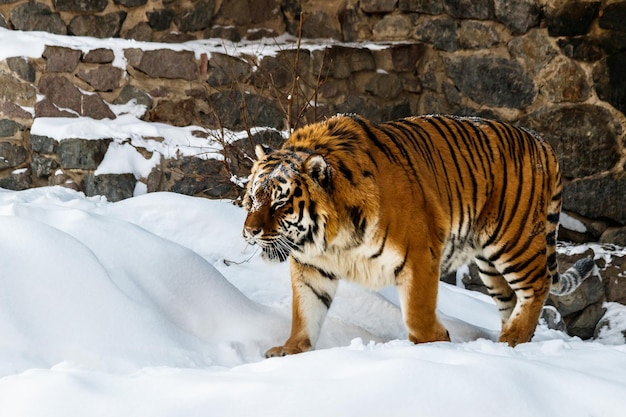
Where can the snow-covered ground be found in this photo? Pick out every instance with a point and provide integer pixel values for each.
(154, 306)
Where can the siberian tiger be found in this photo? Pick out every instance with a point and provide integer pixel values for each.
(402, 202)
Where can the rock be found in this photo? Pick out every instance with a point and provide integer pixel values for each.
(614, 275)
(131, 93)
(102, 78)
(174, 112)
(551, 317)
(614, 235)
(421, 6)
(582, 48)
(105, 26)
(378, 6)
(590, 292)
(519, 16)
(11, 155)
(166, 63)
(43, 144)
(227, 111)
(141, 32)
(400, 58)
(197, 18)
(41, 166)
(386, 86)
(474, 34)
(228, 33)
(392, 27)
(37, 17)
(133, 56)
(534, 50)
(224, 69)
(319, 25)
(353, 27)
(491, 81)
(439, 32)
(614, 17)
(470, 9)
(258, 34)
(579, 229)
(610, 80)
(99, 56)
(584, 324)
(160, 19)
(80, 5)
(342, 61)
(60, 59)
(265, 11)
(9, 128)
(595, 197)
(584, 137)
(364, 106)
(24, 69)
(566, 81)
(63, 94)
(291, 10)
(114, 187)
(3, 22)
(236, 12)
(82, 153)
(611, 322)
(46, 108)
(278, 71)
(196, 176)
(131, 3)
(18, 180)
(571, 18)
(11, 110)
(612, 42)
(15, 91)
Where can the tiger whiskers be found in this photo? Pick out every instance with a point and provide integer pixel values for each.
(277, 248)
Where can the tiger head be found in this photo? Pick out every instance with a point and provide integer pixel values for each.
(283, 199)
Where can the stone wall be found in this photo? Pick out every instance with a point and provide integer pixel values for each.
(555, 66)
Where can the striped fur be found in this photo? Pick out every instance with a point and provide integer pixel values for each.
(402, 202)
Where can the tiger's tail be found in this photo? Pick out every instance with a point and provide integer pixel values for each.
(566, 283)
(571, 279)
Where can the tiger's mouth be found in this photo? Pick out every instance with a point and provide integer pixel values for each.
(277, 249)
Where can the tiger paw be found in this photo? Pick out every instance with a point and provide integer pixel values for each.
(285, 350)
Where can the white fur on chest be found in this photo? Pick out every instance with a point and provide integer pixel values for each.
(358, 264)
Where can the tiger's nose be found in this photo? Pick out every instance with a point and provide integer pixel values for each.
(252, 231)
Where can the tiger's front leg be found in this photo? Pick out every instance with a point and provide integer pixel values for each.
(313, 292)
(418, 282)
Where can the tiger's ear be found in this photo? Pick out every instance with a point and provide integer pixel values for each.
(318, 169)
(262, 151)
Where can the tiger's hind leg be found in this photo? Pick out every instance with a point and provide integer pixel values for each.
(497, 287)
(529, 279)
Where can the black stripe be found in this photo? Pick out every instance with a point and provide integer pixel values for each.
(346, 173)
(553, 218)
(358, 220)
(322, 296)
(372, 137)
(400, 267)
(382, 246)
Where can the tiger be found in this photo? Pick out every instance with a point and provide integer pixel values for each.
(403, 202)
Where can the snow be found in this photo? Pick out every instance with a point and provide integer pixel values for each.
(129, 308)
(154, 306)
(570, 223)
